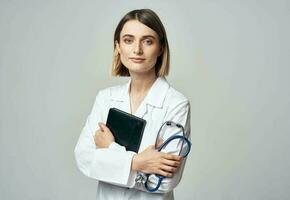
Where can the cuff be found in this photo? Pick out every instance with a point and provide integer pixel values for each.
(116, 146)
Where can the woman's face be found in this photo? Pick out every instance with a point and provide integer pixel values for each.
(139, 47)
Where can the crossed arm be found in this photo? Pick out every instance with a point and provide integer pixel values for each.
(148, 161)
(100, 158)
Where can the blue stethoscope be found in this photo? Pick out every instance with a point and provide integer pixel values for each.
(184, 140)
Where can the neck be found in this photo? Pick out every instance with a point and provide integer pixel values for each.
(140, 84)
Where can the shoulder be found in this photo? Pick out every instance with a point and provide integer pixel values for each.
(176, 106)
(112, 92)
(175, 98)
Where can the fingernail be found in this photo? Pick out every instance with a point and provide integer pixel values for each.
(101, 125)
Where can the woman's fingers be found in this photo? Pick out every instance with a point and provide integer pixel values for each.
(100, 126)
(169, 169)
(171, 157)
(171, 163)
(103, 127)
(165, 173)
(151, 161)
(103, 136)
(159, 143)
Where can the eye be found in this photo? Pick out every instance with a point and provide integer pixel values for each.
(128, 41)
(148, 41)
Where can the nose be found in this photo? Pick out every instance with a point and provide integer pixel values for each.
(138, 49)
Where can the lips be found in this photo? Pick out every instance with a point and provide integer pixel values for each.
(137, 60)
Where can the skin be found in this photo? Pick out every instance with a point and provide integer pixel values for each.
(138, 40)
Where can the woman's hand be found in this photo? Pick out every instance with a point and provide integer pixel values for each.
(103, 137)
(151, 161)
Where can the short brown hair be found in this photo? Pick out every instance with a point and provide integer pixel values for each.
(150, 19)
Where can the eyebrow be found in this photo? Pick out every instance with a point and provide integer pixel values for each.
(144, 36)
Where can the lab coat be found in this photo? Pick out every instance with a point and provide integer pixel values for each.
(111, 166)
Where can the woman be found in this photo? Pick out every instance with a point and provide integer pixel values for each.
(141, 51)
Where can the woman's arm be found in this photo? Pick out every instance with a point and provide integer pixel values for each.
(113, 164)
(179, 113)
(151, 161)
(117, 166)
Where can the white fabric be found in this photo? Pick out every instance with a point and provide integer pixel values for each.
(111, 166)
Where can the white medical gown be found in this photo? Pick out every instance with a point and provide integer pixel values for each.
(111, 166)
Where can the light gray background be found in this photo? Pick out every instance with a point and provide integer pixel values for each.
(230, 58)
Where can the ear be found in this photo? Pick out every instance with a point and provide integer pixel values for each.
(117, 46)
(161, 51)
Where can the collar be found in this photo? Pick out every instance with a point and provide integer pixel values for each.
(155, 96)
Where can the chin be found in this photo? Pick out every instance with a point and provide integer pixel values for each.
(138, 67)
(140, 71)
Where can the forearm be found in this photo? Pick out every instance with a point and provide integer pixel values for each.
(112, 165)
(152, 162)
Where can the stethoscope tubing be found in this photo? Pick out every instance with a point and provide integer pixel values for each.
(163, 145)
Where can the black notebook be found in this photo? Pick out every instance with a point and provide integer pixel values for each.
(126, 128)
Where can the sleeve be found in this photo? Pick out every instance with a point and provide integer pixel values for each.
(179, 113)
(112, 164)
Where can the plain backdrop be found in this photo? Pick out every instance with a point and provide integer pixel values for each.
(230, 58)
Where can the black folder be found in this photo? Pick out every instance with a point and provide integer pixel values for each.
(126, 128)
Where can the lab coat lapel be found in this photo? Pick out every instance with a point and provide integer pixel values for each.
(120, 97)
(157, 93)
(142, 110)
(155, 97)
(126, 102)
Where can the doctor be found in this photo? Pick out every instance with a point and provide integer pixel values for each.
(141, 52)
